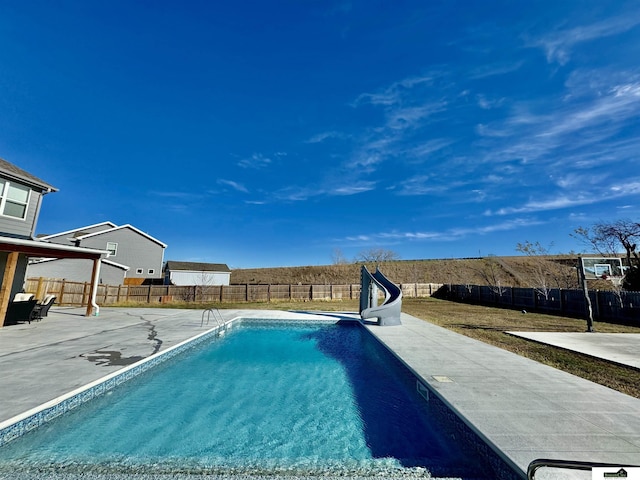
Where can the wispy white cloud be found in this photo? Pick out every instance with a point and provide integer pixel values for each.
(559, 44)
(544, 205)
(444, 235)
(177, 195)
(257, 161)
(323, 136)
(631, 187)
(494, 69)
(234, 185)
(411, 117)
(426, 149)
(352, 189)
(585, 196)
(579, 132)
(297, 194)
(395, 93)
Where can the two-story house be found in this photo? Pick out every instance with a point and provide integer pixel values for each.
(21, 196)
(134, 256)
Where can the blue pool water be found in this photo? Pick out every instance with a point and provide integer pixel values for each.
(264, 398)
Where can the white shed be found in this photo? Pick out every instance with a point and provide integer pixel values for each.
(195, 273)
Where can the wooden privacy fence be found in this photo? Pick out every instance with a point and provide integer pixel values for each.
(78, 293)
(616, 306)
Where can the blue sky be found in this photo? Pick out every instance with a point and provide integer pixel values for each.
(271, 133)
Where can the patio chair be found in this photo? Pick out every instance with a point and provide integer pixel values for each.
(22, 297)
(20, 311)
(42, 308)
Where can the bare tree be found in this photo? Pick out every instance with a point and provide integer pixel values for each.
(338, 258)
(607, 238)
(376, 255)
(492, 275)
(544, 274)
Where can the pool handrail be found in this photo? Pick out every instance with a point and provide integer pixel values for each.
(209, 312)
(535, 465)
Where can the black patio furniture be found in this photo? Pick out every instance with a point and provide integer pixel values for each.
(42, 308)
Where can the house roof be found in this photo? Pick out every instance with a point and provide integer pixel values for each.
(81, 234)
(77, 231)
(197, 266)
(38, 248)
(130, 227)
(13, 172)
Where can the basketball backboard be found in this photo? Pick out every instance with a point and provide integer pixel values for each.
(607, 268)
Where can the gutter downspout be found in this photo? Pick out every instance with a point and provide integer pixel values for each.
(95, 276)
(37, 213)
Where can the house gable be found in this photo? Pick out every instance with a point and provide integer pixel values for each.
(70, 237)
(115, 228)
(20, 199)
(142, 253)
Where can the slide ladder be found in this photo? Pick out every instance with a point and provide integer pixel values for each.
(387, 313)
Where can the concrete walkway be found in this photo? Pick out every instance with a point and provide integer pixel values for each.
(622, 348)
(524, 409)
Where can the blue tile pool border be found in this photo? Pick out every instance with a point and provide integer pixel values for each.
(20, 424)
(457, 425)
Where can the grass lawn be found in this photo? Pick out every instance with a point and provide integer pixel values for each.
(489, 325)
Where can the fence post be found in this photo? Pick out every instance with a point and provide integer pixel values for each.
(221, 290)
(269, 293)
(290, 293)
(39, 294)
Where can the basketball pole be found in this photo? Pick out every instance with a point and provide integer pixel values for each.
(587, 298)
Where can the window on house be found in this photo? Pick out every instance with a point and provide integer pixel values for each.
(139, 271)
(14, 200)
(152, 271)
(112, 247)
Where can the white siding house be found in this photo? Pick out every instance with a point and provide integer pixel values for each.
(194, 273)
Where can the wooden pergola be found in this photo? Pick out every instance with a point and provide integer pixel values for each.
(34, 248)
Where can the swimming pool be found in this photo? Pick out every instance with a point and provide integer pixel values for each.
(267, 398)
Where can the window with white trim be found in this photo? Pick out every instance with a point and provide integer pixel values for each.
(152, 271)
(112, 248)
(14, 199)
(139, 271)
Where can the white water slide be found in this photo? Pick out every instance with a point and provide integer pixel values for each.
(388, 312)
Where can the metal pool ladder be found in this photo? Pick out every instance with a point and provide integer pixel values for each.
(568, 464)
(215, 313)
